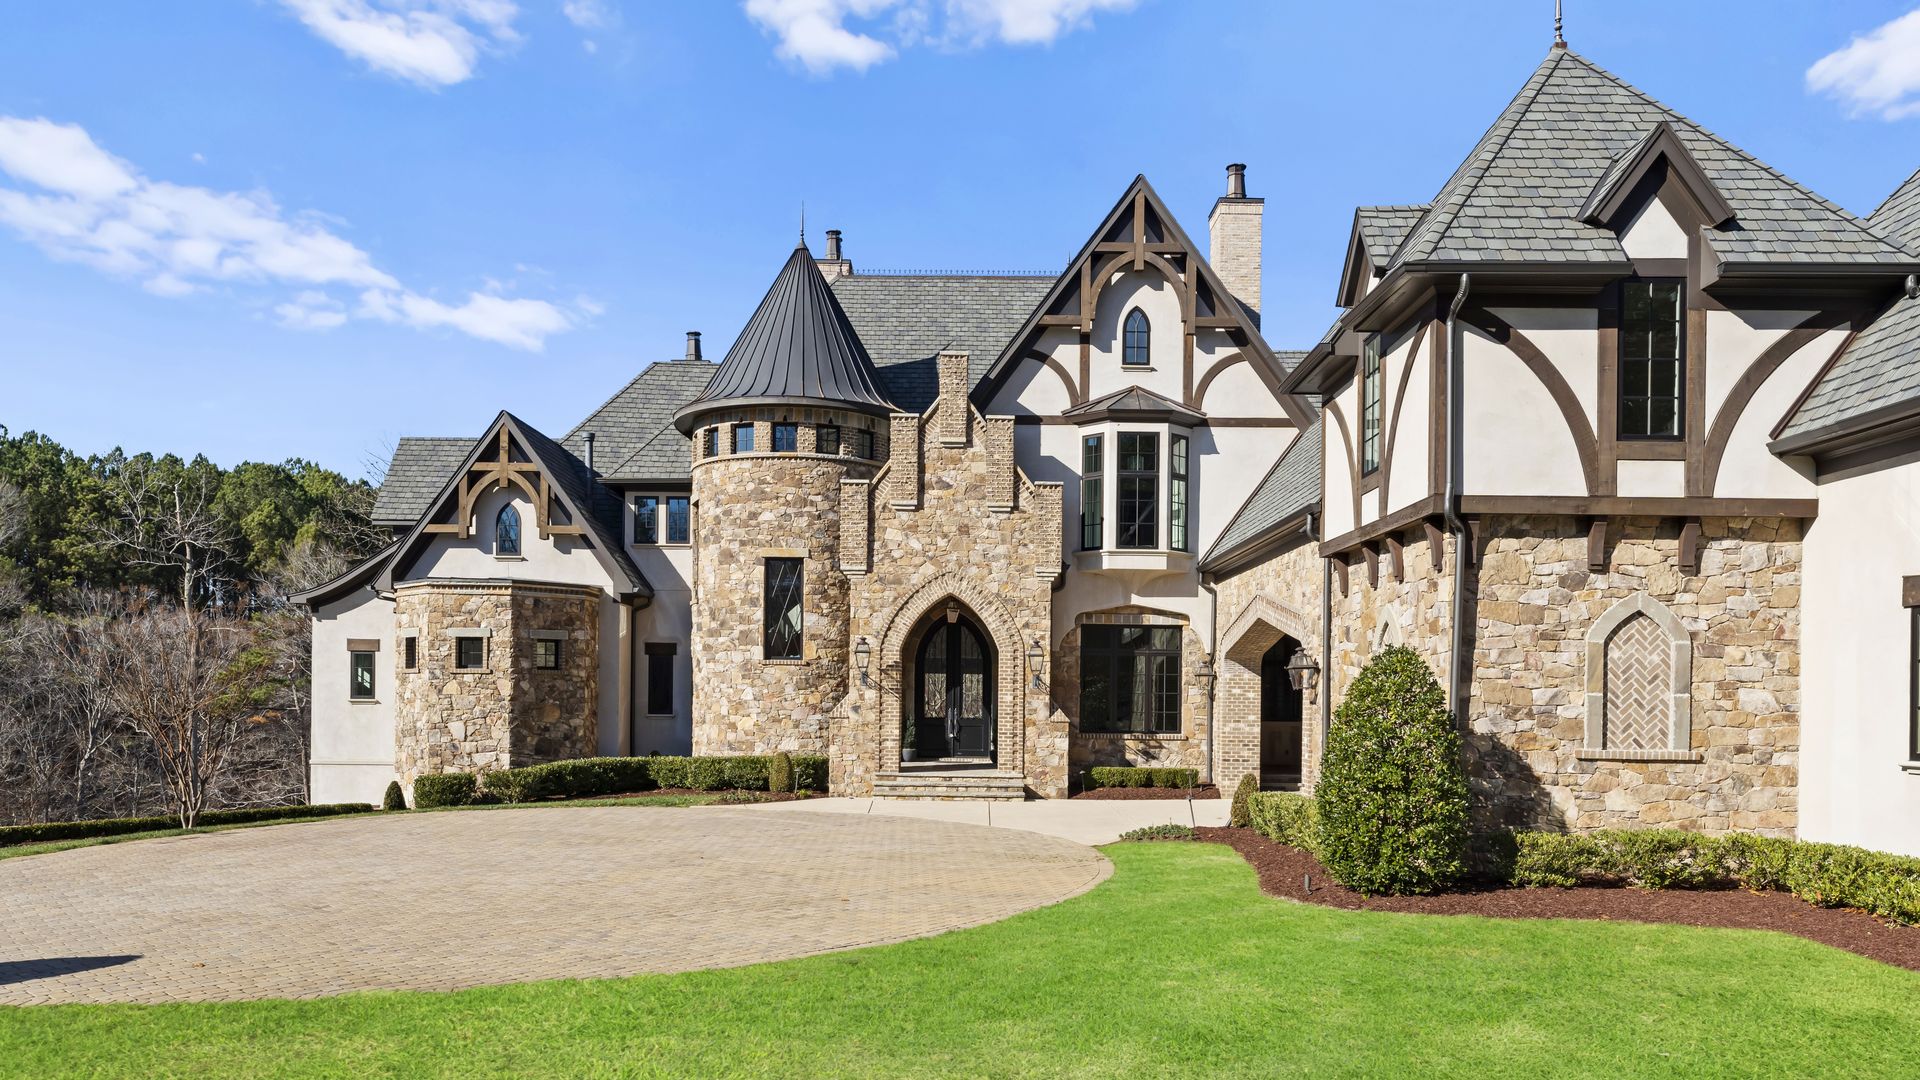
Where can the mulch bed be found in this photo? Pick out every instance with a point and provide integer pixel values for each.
(1208, 792)
(1284, 870)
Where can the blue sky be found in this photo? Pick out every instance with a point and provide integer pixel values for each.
(272, 228)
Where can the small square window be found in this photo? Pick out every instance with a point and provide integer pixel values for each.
(826, 439)
(360, 666)
(546, 654)
(743, 438)
(786, 438)
(469, 653)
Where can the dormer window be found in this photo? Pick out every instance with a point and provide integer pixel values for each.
(506, 531)
(1652, 343)
(1137, 350)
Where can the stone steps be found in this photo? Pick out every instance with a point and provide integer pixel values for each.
(967, 784)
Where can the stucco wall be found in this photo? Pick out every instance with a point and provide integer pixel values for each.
(352, 741)
(1857, 710)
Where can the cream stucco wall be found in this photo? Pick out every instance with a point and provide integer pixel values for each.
(1515, 439)
(352, 741)
(1856, 713)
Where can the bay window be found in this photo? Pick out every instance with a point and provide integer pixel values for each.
(1093, 526)
(1177, 494)
(1137, 509)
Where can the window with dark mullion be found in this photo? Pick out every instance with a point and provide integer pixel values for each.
(1373, 399)
(1093, 475)
(1652, 348)
(786, 438)
(1137, 498)
(646, 519)
(1913, 690)
(1130, 679)
(783, 640)
(360, 667)
(679, 519)
(1177, 493)
(826, 440)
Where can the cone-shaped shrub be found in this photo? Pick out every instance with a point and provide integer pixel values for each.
(1238, 814)
(1392, 795)
(780, 773)
(395, 799)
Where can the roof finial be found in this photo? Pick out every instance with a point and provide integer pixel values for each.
(1559, 38)
(803, 223)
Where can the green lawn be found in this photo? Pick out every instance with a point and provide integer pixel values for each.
(1177, 966)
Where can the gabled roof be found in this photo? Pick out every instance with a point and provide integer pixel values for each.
(585, 502)
(418, 471)
(1290, 488)
(1662, 142)
(1135, 403)
(1378, 232)
(638, 416)
(1138, 230)
(797, 349)
(1517, 198)
(906, 321)
(1878, 373)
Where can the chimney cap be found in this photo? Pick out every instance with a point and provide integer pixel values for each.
(833, 245)
(1236, 181)
(693, 344)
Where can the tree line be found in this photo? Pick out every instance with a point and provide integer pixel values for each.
(150, 661)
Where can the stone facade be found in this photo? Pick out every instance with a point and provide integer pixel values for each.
(948, 538)
(507, 713)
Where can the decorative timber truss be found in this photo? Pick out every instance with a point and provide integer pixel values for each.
(504, 468)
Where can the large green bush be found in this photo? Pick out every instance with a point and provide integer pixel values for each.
(444, 789)
(1392, 791)
(47, 831)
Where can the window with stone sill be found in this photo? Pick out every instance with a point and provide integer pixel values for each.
(469, 653)
(743, 438)
(1130, 679)
(826, 440)
(1912, 588)
(786, 438)
(360, 671)
(546, 654)
(783, 638)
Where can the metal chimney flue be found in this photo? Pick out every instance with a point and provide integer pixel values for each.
(1236, 181)
(693, 344)
(833, 245)
(589, 454)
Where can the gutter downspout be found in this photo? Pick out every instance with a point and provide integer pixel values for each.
(1454, 523)
(1326, 647)
(1213, 689)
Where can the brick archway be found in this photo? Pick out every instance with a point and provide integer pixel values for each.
(1010, 668)
(1259, 626)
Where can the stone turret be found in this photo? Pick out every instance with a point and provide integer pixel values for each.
(794, 409)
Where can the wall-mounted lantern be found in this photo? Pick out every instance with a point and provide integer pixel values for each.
(863, 656)
(1302, 672)
(1037, 660)
(1205, 671)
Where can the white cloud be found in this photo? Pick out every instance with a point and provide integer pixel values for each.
(430, 42)
(1878, 71)
(79, 203)
(817, 34)
(587, 14)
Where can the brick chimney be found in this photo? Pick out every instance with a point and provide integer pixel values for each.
(1233, 238)
(835, 266)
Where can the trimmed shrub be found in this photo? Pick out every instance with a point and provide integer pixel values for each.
(1555, 860)
(670, 772)
(394, 799)
(1756, 862)
(1159, 832)
(809, 772)
(748, 773)
(707, 773)
(1138, 776)
(780, 773)
(445, 789)
(1392, 794)
(1175, 778)
(1238, 814)
(47, 831)
(1284, 817)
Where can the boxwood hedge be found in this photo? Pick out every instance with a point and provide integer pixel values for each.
(87, 830)
(1135, 776)
(591, 777)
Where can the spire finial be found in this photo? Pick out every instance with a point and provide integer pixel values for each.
(803, 223)
(1559, 38)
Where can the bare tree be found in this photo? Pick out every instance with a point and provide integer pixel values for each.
(165, 519)
(195, 688)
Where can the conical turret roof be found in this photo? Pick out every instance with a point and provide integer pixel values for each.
(798, 349)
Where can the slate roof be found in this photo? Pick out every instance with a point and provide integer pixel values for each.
(633, 433)
(419, 469)
(798, 348)
(1517, 197)
(905, 322)
(1881, 365)
(1290, 487)
(1133, 399)
(1384, 228)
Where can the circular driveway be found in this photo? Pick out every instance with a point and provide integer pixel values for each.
(441, 901)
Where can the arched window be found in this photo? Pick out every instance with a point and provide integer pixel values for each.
(1137, 353)
(506, 531)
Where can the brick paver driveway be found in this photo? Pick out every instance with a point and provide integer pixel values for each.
(446, 900)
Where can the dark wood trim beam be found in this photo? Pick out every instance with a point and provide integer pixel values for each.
(1404, 518)
(1597, 546)
(1786, 347)
(1553, 505)
(1436, 544)
(1690, 548)
(1396, 557)
(1372, 557)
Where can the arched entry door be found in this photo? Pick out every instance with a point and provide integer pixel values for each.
(953, 699)
(1282, 725)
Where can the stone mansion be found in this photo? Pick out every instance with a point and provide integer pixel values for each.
(1620, 430)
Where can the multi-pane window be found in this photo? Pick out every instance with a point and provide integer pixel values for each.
(786, 438)
(360, 668)
(743, 438)
(1137, 350)
(1177, 493)
(860, 443)
(546, 654)
(646, 519)
(660, 678)
(1652, 317)
(826, 439)
(1137, 499)
(783, 611)
(679, 519)
(1373, 405)
(710, 442)
(1093, 469)
(469, 653)
(506, 531)
(1130, 679)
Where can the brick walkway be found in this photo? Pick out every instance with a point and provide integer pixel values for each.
(447, 900)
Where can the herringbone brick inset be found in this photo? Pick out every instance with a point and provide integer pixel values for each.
(1639, 697)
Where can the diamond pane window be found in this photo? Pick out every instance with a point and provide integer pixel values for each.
(783, 610)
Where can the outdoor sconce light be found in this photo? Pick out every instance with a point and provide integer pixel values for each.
(1037, 660)
(1302, 671)
(1205, 671)
(863, 656)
